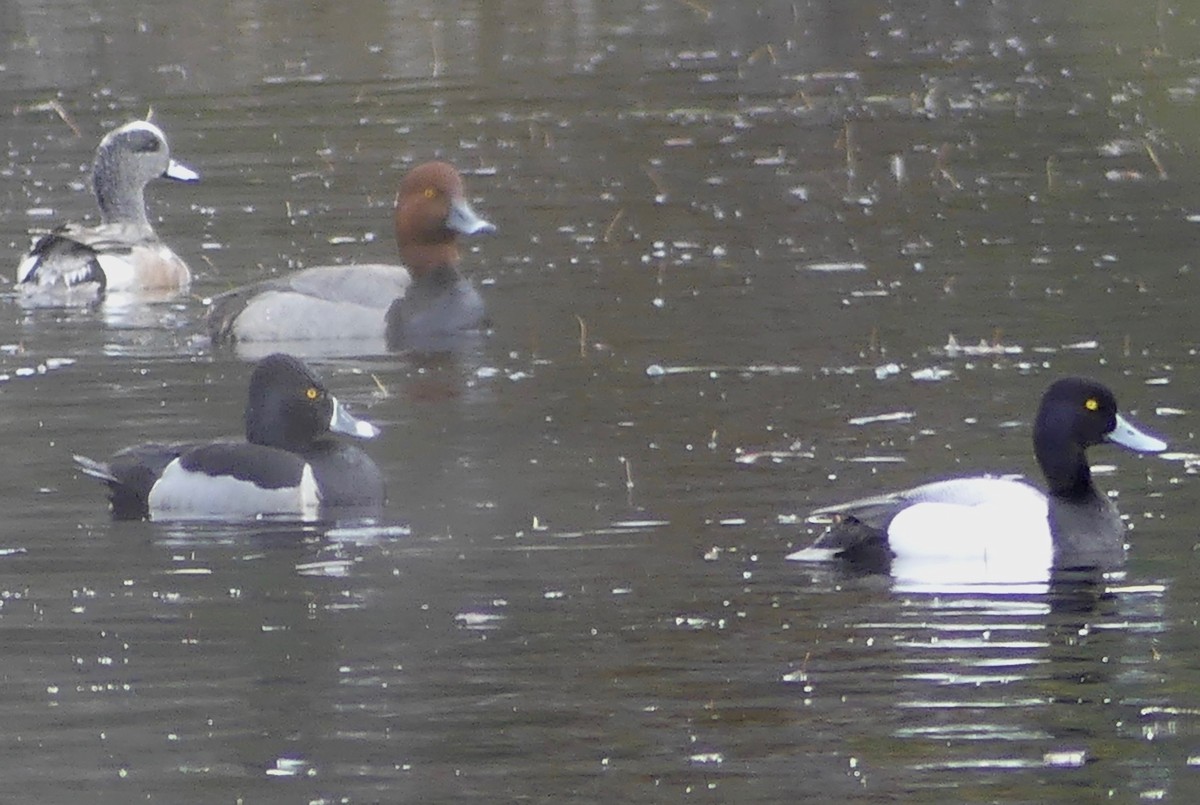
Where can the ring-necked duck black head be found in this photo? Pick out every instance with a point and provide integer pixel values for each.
(289, 465)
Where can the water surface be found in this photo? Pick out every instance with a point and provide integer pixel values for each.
(732, 239)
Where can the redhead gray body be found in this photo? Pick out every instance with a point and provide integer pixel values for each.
(425, 295)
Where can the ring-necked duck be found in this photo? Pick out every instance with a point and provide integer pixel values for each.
(424, 297)
(78, 263)
(999, 522)
(289, 464)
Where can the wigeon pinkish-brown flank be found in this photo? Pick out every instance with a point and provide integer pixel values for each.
(77, 263)
(424, 297)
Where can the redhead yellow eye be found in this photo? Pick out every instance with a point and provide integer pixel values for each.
(430, 192)
(312, 393)
(1092, 404)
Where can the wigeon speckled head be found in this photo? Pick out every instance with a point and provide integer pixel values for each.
(424, 297)
(77, 263)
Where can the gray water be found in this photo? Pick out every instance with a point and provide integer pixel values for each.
(728, 233)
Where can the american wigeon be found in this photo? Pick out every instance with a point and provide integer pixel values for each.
(75, 262)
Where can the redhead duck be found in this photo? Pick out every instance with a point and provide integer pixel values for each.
(1008, 526)
(424, 297)
(288, 466)
(78, 263)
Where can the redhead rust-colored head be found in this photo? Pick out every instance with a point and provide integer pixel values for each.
(431, 212)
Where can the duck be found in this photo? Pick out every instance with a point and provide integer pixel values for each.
(76, 262)
(999, 526)
(288, 466)
(425, 297)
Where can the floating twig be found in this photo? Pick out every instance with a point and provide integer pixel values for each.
(57, 108)
(703, 10)
(656, 180)
(608, 230)
(628, 480)
(582, 336)
(1162, 172)
(768, 49)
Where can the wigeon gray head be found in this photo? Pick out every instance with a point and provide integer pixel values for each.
(127, 159)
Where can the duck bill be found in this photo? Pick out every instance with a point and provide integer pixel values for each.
(343, 422)
(1128, 435)
(180, 172)
(462, 219)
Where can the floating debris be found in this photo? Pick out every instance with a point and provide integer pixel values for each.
(895, 416)
(953, 349)
(1069, 759)
(333, 568)
(775, 456)
(933, 373)
(658, 370)
(479, 621)
(835, 267)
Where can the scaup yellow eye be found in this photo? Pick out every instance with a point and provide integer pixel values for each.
(430, 192)
(312, 393)
(1092, 404)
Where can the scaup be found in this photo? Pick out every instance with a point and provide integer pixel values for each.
(1008, 528)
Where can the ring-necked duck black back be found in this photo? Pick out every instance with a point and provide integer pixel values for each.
(424, 298)
(76, 263)
(289, 465)
(1001, 523)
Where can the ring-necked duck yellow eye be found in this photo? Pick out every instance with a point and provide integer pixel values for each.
(430, 192)
(1092, 404)
(289, 464)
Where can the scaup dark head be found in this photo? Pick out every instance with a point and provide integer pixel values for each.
(1075, 414)
(290, 408)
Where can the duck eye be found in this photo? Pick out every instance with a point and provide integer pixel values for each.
(430, 192)
(1092, 404)
(312, 393)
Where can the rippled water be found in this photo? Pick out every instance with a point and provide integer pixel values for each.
(747, 256)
